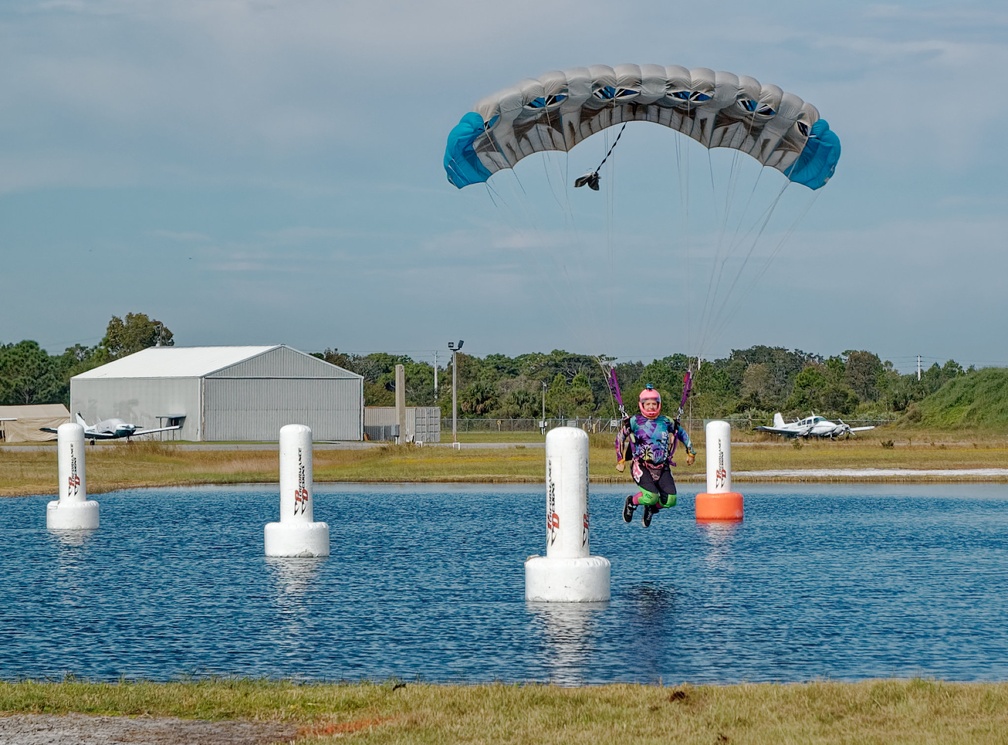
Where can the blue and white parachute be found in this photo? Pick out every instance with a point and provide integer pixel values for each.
(717, 109)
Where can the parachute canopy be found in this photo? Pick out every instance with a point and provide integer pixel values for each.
(717, 109)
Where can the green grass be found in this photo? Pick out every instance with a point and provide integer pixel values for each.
(978, 400)
(898, 711)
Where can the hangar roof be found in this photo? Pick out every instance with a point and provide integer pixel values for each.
(175, 362)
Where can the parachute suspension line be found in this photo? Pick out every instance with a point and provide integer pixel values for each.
(589, 300)
(787, 233)
(721, 252)
(596, 247)
(591, 180)
(720, 299)
(778, 247)
(721, 255)
(731, 223)
(722, 316)
(736, 171)
(605, 291)
(531, 235)
(682, 171)
(563, 177)
(611, 288)
(737, 235)
(563, 204)
(728, 243)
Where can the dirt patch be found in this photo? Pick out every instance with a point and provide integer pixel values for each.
(76, 729)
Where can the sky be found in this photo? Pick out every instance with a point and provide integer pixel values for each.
(256, 172)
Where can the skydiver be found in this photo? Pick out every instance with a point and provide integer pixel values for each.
(647, 440)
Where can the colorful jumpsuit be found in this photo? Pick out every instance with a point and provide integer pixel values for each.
(648, 443)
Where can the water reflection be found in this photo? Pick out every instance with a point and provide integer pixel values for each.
(292, 578)
(650, 627)
(717, 540)
(569, 630)
(652, 603)
(71, 538)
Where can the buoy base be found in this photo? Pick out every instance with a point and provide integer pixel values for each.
(63, 515)
(580, 580)
(723, 507)
(297, 539)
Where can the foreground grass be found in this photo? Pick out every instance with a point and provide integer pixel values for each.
(898, 711)
(121, 465)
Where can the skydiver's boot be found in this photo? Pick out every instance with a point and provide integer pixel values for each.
(649, 512)
(628, 509)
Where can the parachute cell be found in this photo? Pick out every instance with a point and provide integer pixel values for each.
(717, 109)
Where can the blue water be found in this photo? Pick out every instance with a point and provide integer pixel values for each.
(427, 583)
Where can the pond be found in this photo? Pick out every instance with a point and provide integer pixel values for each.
(427, 583)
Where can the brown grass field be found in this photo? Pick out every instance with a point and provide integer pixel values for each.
(26, 470)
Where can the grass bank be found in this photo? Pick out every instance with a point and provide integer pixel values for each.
(922, 712)
(120, 465)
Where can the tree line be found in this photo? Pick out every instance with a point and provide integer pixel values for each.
(752, 382)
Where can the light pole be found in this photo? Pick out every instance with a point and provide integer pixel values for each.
(542, 423)
(454, 350)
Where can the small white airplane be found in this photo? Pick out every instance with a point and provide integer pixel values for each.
(811, 426)
(113, 429)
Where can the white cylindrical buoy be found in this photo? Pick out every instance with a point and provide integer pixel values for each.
(73, 510)
(568, 572)
(719, 502)
(296, 535)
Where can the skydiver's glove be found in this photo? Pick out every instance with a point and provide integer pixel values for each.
(620, 465)
(690, 457)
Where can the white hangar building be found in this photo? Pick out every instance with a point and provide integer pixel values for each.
(224, 393)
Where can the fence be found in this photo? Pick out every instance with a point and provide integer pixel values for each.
(589, 424)
(740, 422)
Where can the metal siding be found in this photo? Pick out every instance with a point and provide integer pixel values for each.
(139, 401)
(283, 362)
(423, 423)
(254, 409)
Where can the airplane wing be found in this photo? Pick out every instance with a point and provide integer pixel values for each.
(99, 434)
(158, 429)
(89, 434)
(778, 431)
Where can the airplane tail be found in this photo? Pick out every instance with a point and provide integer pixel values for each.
(80, 421)
(778, 420)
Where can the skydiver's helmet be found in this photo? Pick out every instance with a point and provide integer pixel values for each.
(651, 397)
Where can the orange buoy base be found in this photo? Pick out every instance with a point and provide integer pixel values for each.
(724, 507)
